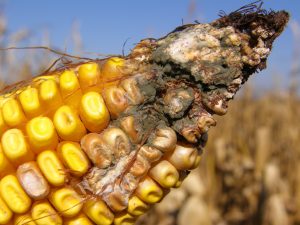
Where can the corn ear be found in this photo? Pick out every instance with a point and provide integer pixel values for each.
(99, 142)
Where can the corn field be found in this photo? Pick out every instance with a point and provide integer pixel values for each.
(114, 141)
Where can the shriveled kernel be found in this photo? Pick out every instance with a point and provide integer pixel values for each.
(93, 145)
(88, 75)
(66, 201)
(44, 214)
(68, 124)
(205, 122)
(116, 140)
(149, 191)
(13, 194)
(128, 125)
(165, 139)
(164, 173)
(183, 157)
(73, 157)
(32, 180)
(150, 153)
(140, 166)
(24, 219)
(111, 70)
(124, 219)
(12, 113)
(80, 219)
(5, 166)
(191, 134)
(41, 134)
(15, 147)
(115, 99)
(51, 167)
(136, 206)
(50, 96)
(98, 212)
(93, 112)
(133, 92)
(5, 213)
(70, 89)
(30, 102)
(116, 201)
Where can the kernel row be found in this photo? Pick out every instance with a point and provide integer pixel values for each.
(90, 212)
(53, 164)
(45, 94)
(68, 203)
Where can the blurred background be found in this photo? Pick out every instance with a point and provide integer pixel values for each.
(250, 170)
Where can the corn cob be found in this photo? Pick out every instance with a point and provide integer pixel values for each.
(99, 142)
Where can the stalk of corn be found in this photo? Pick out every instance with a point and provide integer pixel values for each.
(101, 141)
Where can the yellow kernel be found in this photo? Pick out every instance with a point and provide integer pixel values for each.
(43, 214)
(98, 212)
(24, 219)
(30, 102)
(5, 166)
(68, 124)
(12, 113)
(165, 174)
(70, 88)
(124, 219)
(4, 98)
(5, 212)
(115, 99)
(66, 201)
(88, 75)
(50, 96)
(13, 194)
(136, 206)
(111, 70)
(93, 112)
(41, 134)
(15, 147)
(40, 79)
(149, 191)
(32, 180)
(81, 219)
(51, 167)
(3, 125)
(73, 157)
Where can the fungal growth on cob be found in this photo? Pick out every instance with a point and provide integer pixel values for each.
(100, 141)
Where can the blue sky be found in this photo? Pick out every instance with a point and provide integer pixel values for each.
(105, 25)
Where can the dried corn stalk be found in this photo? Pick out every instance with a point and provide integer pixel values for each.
(99, 142)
